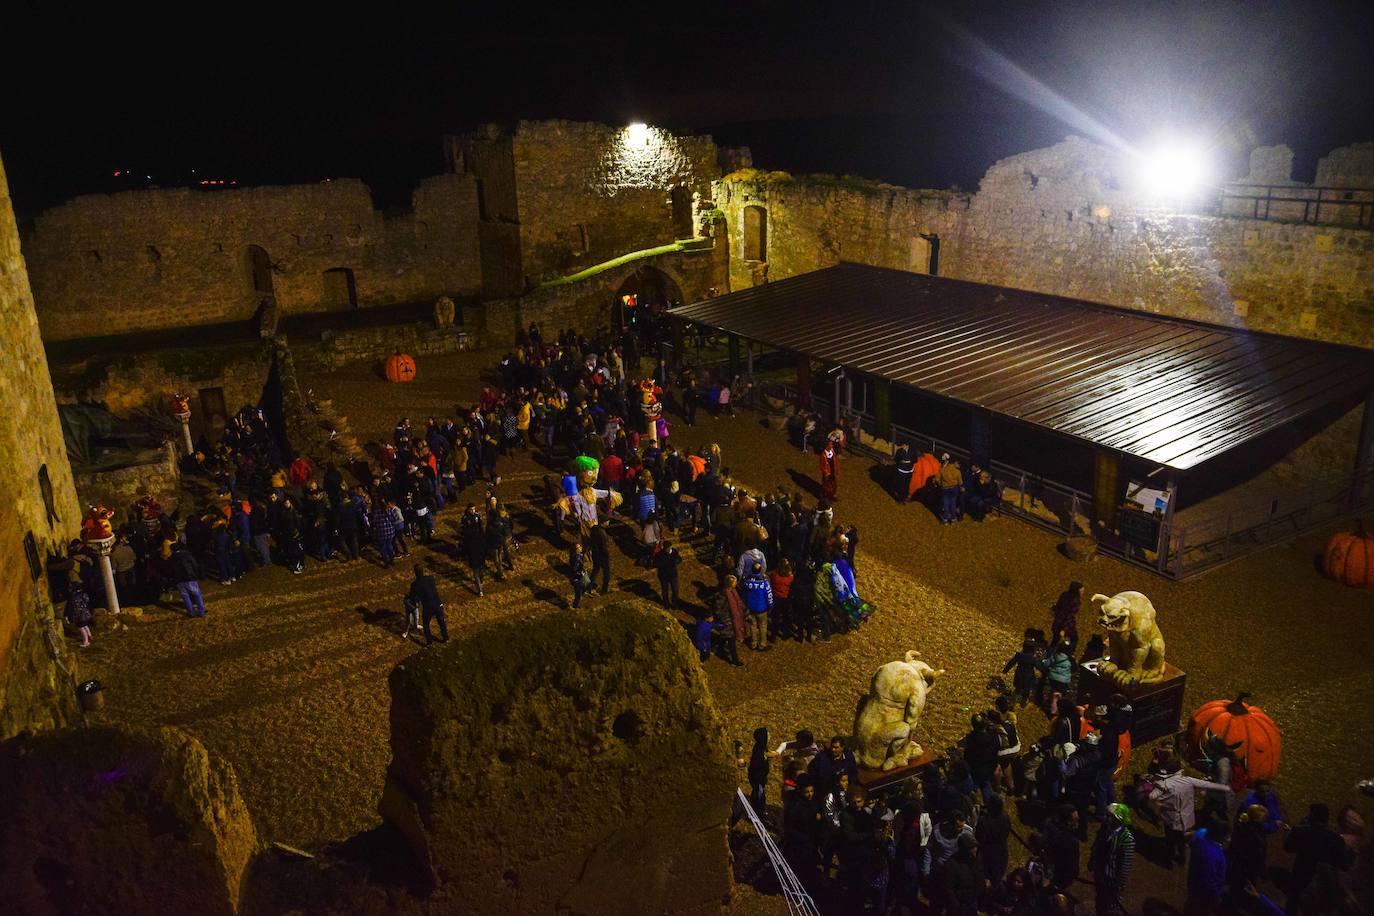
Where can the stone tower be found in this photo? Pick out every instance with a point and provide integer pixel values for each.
(38, 507)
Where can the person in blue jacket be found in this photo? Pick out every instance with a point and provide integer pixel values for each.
(758, 600)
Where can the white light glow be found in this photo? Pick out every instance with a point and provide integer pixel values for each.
(637, 134)
(1175, 169)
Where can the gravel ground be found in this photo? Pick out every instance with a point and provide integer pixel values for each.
(286, 677)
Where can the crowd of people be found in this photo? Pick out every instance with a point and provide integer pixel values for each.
(784, 569)
(940, 840)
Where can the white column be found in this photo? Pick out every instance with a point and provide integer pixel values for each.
(103, 548)
(185, 419)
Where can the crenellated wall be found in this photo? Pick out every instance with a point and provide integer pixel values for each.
(1066, 220)
(146, 260)
(35, 691)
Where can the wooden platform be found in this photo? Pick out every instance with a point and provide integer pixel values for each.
(1158, 707)
(877, 781)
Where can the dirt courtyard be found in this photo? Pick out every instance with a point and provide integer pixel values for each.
(286, 676)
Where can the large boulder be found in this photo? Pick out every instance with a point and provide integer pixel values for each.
(572, 763)
(116, 820)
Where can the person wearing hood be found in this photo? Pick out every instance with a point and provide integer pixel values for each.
(962, 881)
(758, 769)
(1111, 858)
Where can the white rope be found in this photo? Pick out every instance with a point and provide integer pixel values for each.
(799, 902)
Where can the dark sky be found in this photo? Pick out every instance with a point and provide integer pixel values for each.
(915, 93)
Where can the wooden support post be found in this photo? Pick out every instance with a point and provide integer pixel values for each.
(804, 381)
(1364, 455)
(1106, 473)
(882, 408)
(1166, 526)
(980, 435)
(675, 329)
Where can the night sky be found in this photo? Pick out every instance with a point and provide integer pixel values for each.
(917, 94)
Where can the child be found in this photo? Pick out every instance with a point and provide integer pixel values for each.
(725, 408)
(1027, 664)
(79, 612)
(1058, 668)
(701, 634)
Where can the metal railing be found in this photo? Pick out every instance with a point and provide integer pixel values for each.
(1190, 546)
(1200, 544)
(1350, 207)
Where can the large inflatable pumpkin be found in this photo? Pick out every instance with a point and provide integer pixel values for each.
(1249, 733)
(400, 367)
(1349, 558)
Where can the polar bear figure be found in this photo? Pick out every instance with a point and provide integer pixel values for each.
(886, 718)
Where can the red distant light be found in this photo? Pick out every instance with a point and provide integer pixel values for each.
(116, 174)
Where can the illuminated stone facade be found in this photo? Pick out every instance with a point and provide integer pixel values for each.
(559, 196)
(35, 690)
(146, 260)
(1066, 220)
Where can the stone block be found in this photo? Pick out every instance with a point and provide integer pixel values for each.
(114, 820)
(572, 762)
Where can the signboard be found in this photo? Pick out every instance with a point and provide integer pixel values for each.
(1140, 529)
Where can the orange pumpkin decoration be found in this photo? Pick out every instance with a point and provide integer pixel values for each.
(400, 367)
(1246, 729)
(1349, 558)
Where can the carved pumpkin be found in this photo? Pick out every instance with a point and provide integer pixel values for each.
(1349, 558)
(1246, 729)
(400, 368)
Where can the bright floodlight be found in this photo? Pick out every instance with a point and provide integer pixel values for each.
(1174, 169)
(637, 134)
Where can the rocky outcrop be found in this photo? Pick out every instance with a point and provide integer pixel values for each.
(115, 820)
(573, 763)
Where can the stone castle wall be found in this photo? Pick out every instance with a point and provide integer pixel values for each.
(1065, 220)
(590, 192)
(147, 260)
(34, 691)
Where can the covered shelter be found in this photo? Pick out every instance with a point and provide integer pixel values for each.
(1158, 397)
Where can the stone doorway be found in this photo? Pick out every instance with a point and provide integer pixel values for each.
(260, 273)
(340, 289)
(682, 213)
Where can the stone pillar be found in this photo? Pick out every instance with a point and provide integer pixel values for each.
(882, 408)
(185, 419)
(103, 548)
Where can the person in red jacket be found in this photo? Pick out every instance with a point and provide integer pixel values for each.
(782, 626)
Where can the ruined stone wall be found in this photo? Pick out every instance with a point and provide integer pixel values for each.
(145, 260)
(1065, 220)
(587, 304)
(487, 155)
(34, 691)
(339, 348)
(590, 192)
(128, 384)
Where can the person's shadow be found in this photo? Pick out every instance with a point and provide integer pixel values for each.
(382, 617)
(804, 482)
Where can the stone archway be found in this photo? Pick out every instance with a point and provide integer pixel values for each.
(645, 290)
